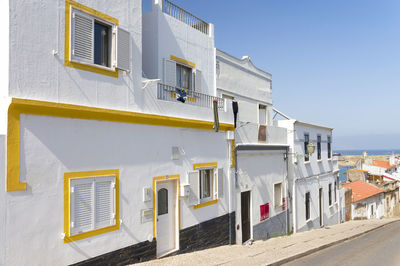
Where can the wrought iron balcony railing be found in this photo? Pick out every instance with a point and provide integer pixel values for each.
(184, 16)
(169, 93)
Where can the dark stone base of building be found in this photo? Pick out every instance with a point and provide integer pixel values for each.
(140, 252)
(212, 233)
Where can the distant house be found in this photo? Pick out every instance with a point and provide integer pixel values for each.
(357, 174)
(368, 200)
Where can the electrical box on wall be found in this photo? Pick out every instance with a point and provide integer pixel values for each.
(185, 190)
(147, 194)
(147, 215)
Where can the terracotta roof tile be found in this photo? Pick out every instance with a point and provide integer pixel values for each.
(362, 190)
(383, 164)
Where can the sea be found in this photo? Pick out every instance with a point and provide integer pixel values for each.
(370, 152)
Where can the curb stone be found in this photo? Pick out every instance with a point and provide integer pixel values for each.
(313, 250)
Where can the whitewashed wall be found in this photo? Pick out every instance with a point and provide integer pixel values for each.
(249, 85)
(374, 170)
(4, 55)
(51, 146)
(3, 203)
(37, 28)
(313, 166)
(258, 171)
(376, 201)
(330, 212)
(165, 36)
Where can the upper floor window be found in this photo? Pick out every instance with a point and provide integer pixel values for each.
(330, 194)
(319, 147)
(184, 77)
(94, 41)
(306, 142)
(102, 44)
(329, 147)
(262, 114)
(182, 74)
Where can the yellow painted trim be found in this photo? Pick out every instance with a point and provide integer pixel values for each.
(175, 58)
(233, 154)
(204, 165)
(204, 204)
(67, 41)
(72, 175)
(33, 107)
(164, 178)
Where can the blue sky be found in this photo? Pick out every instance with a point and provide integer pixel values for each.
(335, 63)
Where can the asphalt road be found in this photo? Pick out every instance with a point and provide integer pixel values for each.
(379, 247)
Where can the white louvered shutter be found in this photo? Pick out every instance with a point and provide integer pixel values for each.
(123, 49)
(194, 182)
(104, 211)
(82, 37)
(220, 182)
(81, 205)
(198, 81)
(169, 72)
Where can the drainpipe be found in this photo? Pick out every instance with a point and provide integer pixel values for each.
(286, 192)
(294, 211)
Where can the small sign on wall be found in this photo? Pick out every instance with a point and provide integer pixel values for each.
(283, 204)
(264, 212)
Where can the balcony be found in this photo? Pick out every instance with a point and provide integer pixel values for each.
(185, 17)
(335, 163)
(169, 93)
(250, 133)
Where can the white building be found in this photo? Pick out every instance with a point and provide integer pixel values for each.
(313, 176)
(95, 163)
(261, 148)
(368, 200)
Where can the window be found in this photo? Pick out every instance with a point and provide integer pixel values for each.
(262, 114)
(335, 192)
(228, 97)
(306, 142)
(184, 77)
(319, 147)
(162, 198)
(278, 195)
(307, 206)
(95, 42)
(329, 147)
(206, 184)
(330, 194)
(102, 44)
(92, 203)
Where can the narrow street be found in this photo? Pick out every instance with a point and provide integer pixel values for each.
(379, 247)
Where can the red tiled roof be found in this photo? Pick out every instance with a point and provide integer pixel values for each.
(383, 164)
(362, 190)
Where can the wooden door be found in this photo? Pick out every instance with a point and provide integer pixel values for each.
(245, 209)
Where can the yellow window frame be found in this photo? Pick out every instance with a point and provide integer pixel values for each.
(73, 175)
(199, 166)
(69, 4)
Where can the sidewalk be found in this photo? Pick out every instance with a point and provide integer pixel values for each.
(275, 250)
